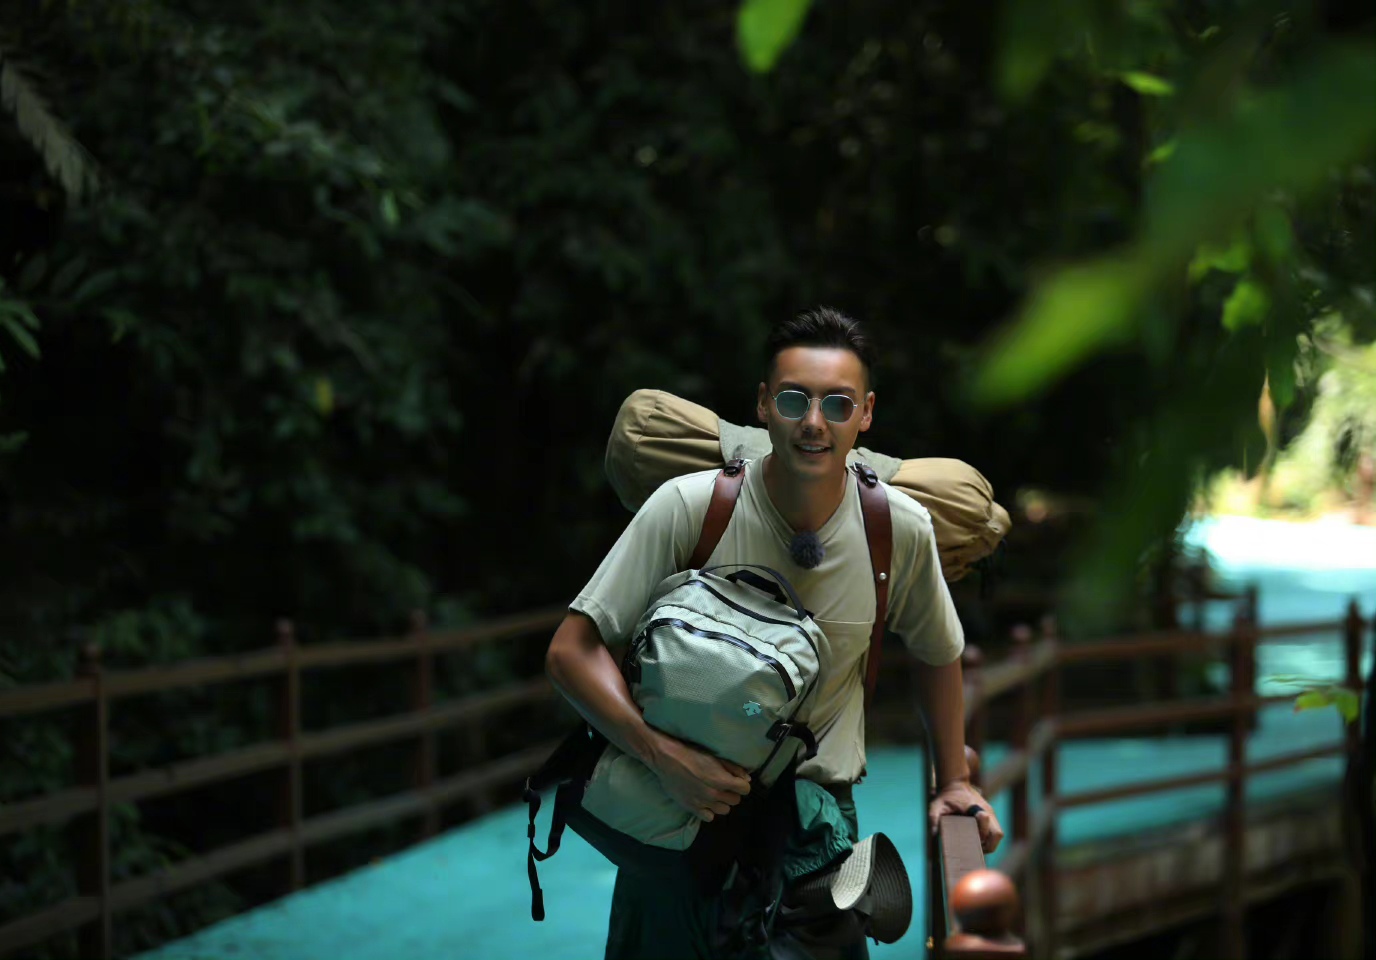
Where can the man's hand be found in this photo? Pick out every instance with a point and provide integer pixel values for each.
(958, 797)
(702, 784)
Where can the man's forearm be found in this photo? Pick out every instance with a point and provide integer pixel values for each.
(582, 669)
(941, 697)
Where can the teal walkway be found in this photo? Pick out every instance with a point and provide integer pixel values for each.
(465, 894)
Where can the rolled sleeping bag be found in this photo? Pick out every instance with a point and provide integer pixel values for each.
(658, 436)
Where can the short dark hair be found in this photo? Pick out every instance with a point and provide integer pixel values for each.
(823, 327)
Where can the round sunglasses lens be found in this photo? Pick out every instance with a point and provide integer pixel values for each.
(792, 404)
(837, 408)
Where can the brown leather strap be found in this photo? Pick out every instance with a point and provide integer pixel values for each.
(724, 494)
(874, 504)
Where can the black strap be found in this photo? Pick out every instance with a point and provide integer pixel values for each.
(799, 731)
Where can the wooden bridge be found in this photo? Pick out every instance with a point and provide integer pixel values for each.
(1229, 850)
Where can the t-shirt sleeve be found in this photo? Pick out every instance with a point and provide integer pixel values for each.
(655, 544)
(920, 609)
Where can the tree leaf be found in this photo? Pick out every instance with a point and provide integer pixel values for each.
(1147, 84)
(1312, 700)
(324, 396)
(1234, 258)
(390, 215)
(766, 28)
(1281, 350)
(1161, 154)
(1246, 306)
(66, 160)
(1068, 317)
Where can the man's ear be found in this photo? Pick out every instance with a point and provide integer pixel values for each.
(761, 399)
(867, 412)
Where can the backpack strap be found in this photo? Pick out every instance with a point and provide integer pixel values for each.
(874, 504)
(724, 494)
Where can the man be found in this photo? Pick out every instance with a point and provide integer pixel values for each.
(815, 401)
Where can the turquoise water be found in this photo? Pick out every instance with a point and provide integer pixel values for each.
(465, 894)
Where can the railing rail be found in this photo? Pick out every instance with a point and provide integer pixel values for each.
(1031, 676)
(1033, 673)
(85, 807)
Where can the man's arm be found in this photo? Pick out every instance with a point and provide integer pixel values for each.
(941, 697)
(582, 669)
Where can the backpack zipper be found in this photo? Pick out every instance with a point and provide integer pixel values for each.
(757, 616)
(653, 625)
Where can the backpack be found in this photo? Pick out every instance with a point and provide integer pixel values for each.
(727, 662)
(657, 436)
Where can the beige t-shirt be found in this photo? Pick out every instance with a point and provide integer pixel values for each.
(839, 592)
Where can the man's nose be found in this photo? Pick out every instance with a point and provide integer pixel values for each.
(813, 419)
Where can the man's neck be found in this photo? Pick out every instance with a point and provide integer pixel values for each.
(804, 505)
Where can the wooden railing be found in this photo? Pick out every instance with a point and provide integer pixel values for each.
(86, 807)
(961, 924)
(1032, 675)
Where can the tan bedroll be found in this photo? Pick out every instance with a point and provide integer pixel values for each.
(658, 436)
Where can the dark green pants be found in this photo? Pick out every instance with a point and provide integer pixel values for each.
(658, 921)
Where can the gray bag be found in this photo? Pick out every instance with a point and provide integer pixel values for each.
(727, 663)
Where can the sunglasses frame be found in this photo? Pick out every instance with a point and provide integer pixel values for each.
(817, 400)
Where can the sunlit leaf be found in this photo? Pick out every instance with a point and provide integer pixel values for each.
(1147, 84)
(1234, 258)
(1345, 700)
(1069, 316)
(1247, 305)
(1280, 369)
(324, 396)
(766, 28)
(390, 215)
(1312, 700)
(1161, 154)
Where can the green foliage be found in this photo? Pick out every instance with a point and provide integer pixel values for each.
(765, 28)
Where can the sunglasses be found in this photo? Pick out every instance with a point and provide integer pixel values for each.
(794, 405)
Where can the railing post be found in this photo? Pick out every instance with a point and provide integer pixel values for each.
(290, 799)
(422, 700)
(1249, 658)
(1046, 851)
(1352, 647)
(971, 664)
(1022, 726)
(1233, 941)
(91, 832)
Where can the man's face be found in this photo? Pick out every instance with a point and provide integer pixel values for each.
(815, 447)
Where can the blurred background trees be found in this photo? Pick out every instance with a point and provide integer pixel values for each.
(324, 309)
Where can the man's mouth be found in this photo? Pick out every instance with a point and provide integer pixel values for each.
(812, 450)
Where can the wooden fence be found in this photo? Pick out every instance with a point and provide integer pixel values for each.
(1031, 676)
(86, 806)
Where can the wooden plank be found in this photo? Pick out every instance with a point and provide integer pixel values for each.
(1139, 645)
(502, 627)
(961, 853)
(246, 853)
(175, 676)
(352, 653)
(1010, 770)
(1086, 798)
(373, 732)
(37, 927)
(491, 774)
(1116, 720)
(1300, 629)
(56, 807)
(201, 772)
(339, 823)
(1289, 759)
(46, 696)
